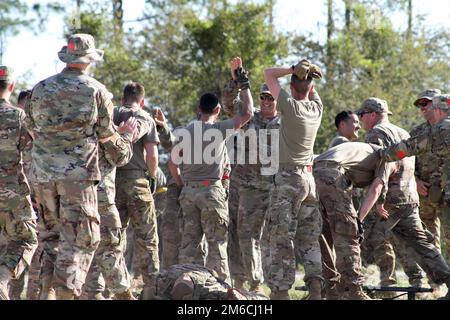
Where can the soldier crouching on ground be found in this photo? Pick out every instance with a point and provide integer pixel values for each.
(16, 212)
(195, 282)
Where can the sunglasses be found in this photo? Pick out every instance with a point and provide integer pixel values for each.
(422, 103)
(266, 97)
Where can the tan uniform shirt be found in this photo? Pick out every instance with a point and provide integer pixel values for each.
(300, 121)
(195, 167)
(360, 161)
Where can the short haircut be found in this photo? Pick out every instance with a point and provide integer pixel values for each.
(301, 86)
(133, 92)
(4, 84)
(23, 96)
(342, 116)
(208, 102)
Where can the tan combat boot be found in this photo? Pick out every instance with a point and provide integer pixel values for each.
(64, 294)
(47, 291)
(315, 289)
(280, 295)
(126, 295)
(5, 276)
(357, 293)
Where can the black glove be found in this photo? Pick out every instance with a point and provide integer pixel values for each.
(242, 79)
(360, 230)
(152, 181)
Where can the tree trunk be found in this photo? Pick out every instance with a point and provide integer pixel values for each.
(409, 31)
(348, 13)
(118, 20)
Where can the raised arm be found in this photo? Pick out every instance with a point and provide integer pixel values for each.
(271, 76)
(246, 113)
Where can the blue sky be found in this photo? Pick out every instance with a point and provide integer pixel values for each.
(35, 57)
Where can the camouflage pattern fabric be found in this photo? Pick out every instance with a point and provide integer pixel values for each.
(33, 285)
(336, 196)
(207, 286)
(17, 217)
(135, 204)
(65, 145)
(428, 169)
(406, 226)
(75, 204)
(109, 256)
(293, 187)
(402, 191)
(205, 212)
(171, 227)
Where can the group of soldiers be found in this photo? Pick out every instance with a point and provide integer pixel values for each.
(76, 172)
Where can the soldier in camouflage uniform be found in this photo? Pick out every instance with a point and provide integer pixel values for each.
(203, 198)
(195, 282)
(436, 141)
(337, 171)
(251, 188)
(69, 114)
(347, 125)
(16, 213)
(109, 258)
(134, 197)
(401, 195)
(427, 173)
(300, 115)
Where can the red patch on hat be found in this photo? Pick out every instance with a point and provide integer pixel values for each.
(205, 183)
(71, 46)
(2, 72)
(400, 154)
(448, 101)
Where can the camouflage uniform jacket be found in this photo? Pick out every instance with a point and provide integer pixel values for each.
(15, 139)
(402, 187)
(428, 163)
(435, 141)
(68, 113)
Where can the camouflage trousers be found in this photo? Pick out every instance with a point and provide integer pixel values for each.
(69, 207)
(336, 197)
(33, 285)
(18, 221)
(253, 203)
(205, 213)
(109, 258)
(404, 221)
(436, 217)
(135, 203)
(237, 271)
(386, 249)
(294, 189)
(171, 227)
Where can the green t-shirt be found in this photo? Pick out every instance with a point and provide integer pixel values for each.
(203, 148)
(300, 121)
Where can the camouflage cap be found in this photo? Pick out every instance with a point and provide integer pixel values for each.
(265, 89)
(373, 104)
(80, 49)
(6, 73)
(441, 101)
(427, 94)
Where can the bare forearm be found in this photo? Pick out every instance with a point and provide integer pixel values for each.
(175, 172)
(152, 164)
(370, 199)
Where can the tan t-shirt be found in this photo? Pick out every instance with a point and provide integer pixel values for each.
(204, 153)
(360, 161)
(300, 121)
(147, 132)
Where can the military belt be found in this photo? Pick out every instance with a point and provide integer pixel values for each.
(201, 183)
